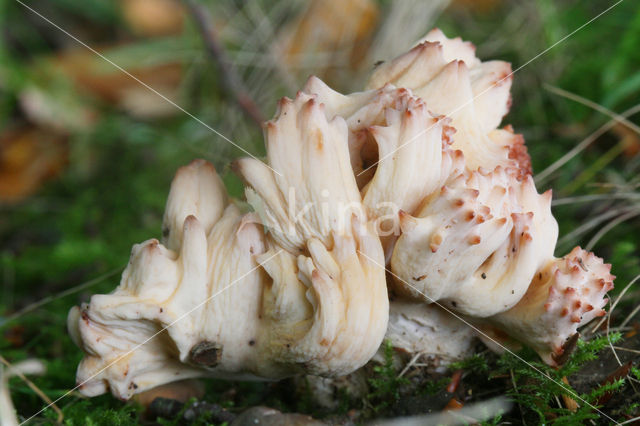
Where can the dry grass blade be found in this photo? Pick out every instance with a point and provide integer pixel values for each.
(609, 226)
(613, 306)
(629, 317)
(630, 196)
(33, 306)
(33, 369)
(414, 17)
(619, 118)
(612, 153)
(590, 172)
(570, 237)
(410, 364)
(620, 348)
(543, 175)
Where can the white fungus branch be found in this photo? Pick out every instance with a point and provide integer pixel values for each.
(412, 173)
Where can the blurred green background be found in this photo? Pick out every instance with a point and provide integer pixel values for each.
(87, 153)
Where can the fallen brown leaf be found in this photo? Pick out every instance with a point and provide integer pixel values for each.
(569, 402)
(28, 157)
(152, 18)
(455, 381)
(453, 404)
(630, 138)
(619, 373)
(338, 31)
(93, 75)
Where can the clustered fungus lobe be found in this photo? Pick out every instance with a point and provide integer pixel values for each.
(408, 189)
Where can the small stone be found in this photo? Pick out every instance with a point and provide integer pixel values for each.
(266, 416)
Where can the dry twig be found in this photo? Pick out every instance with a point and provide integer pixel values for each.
(18, 370)
(217, 53)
